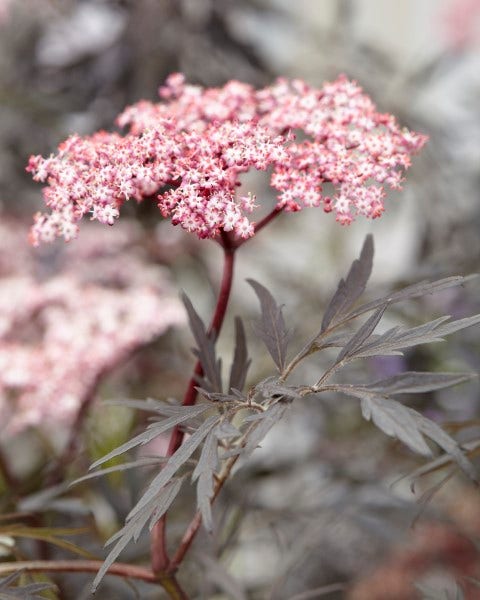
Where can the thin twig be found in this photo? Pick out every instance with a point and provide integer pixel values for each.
(78, 566)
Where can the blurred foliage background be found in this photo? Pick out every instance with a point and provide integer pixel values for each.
(316, 507)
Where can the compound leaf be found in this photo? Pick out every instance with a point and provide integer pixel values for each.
(408, 425)
(175, 462)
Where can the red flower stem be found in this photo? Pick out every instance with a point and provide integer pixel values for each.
(261, 224)
(160, 560)
(190, 397)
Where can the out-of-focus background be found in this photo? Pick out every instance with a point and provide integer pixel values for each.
(317, 504)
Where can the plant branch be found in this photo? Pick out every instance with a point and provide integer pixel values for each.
(79, 566)
(127, 571)
(160, 560)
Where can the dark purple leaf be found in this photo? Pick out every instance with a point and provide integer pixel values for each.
(183, 414)
(414, 382)
(271, 327)
(408, 425)
(207, 465)
(416, 290)
(157, 505)
(175, 462)
(266, 421)
(205, 350)
(398, 339)
(350, 289)
(241, 362)
(362, 334)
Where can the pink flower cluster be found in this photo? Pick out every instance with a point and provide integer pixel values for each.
(59, 337)
(188, 153)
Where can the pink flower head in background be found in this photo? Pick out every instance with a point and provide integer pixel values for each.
(460, 21)
(4, 11)
(188, 152)
(61, 334)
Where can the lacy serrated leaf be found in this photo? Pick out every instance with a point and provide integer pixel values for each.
(169, 494)
(183, 414)
(149, 404)
(416, 382)
(134, 464)
(6, 581)
(266, 420)
(204, 472)
(241, 361)
(175, 462)
(362, 334)
(416, 290)
(448, 444)
(352, 287)
(469, 448)
(25, 592)
(409, 426)
(205, 350)
(153, 510)
(271, 327)
(398, 338)
(395, 420)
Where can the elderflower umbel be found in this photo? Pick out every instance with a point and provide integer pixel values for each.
(188, 151)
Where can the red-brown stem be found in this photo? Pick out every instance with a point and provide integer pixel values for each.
(78, 566)
(261, 224)
(160, 560)
(213, 330)
(127, 571)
